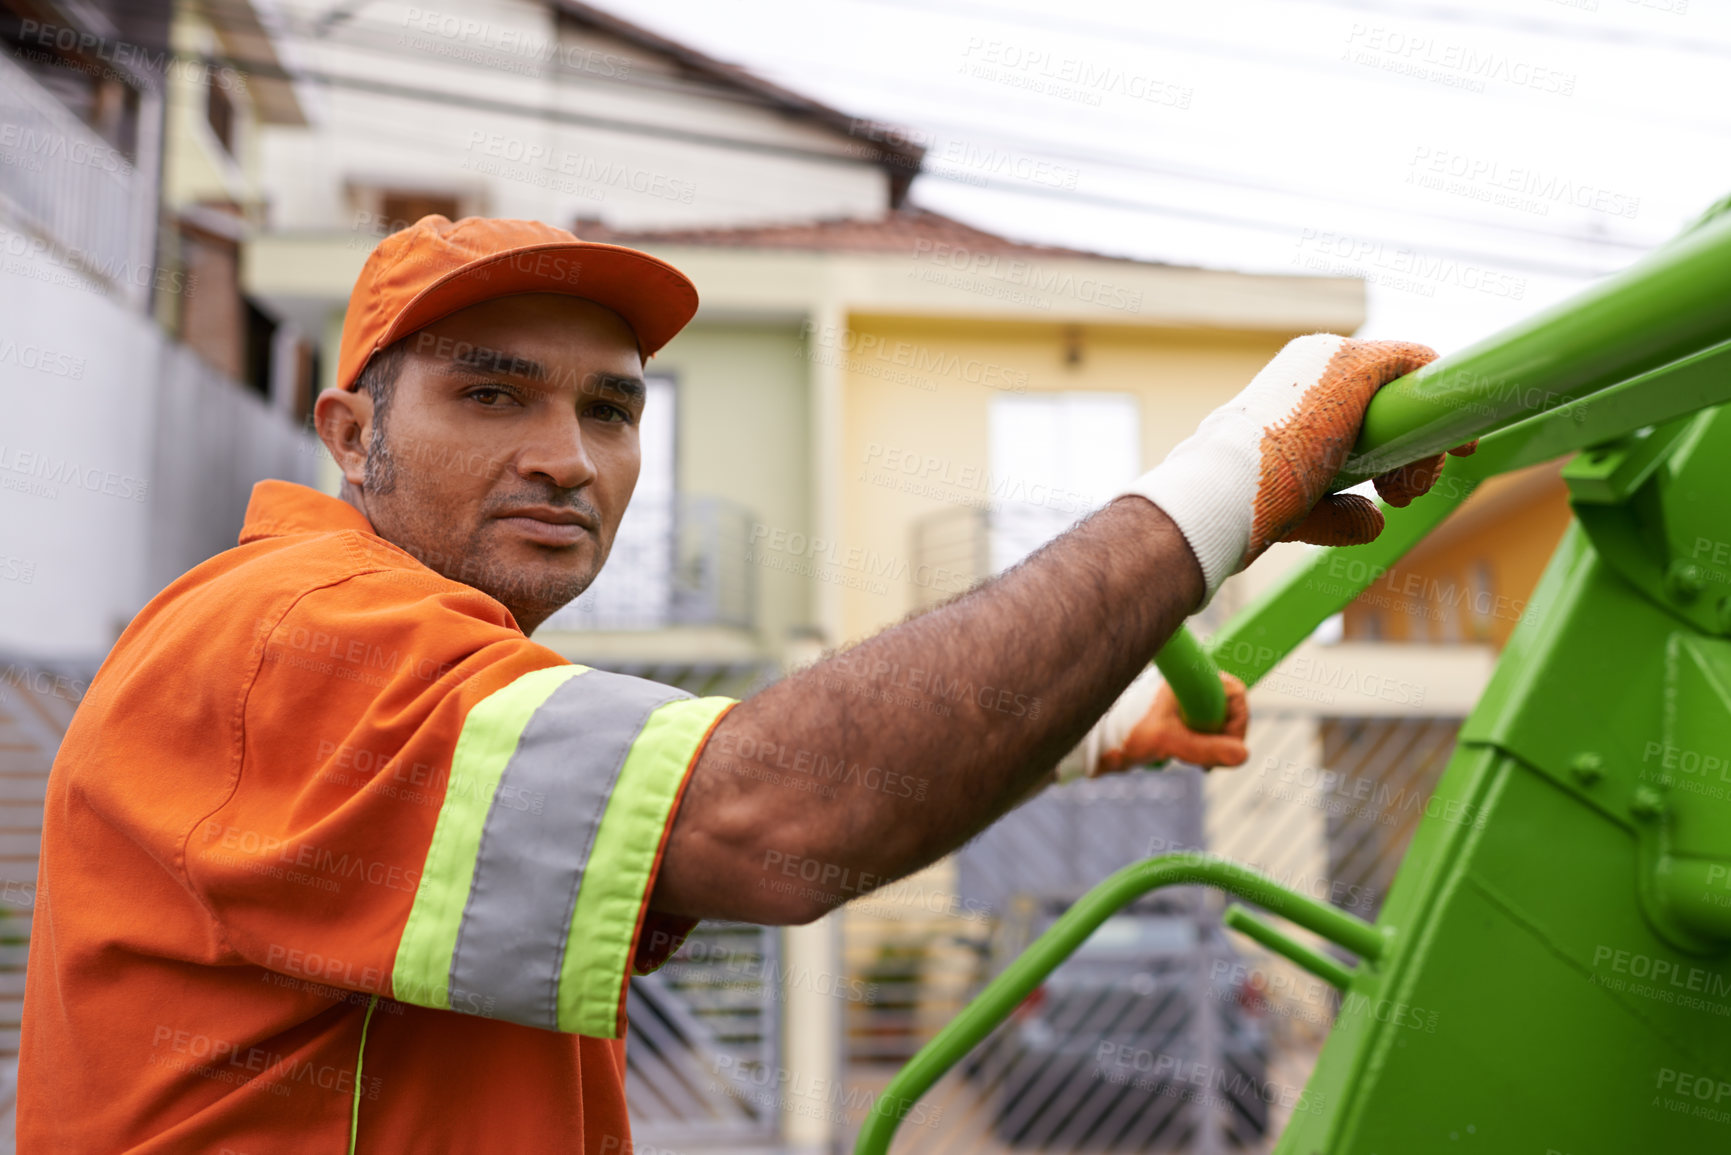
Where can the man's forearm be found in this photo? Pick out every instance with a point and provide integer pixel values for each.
(877, 761)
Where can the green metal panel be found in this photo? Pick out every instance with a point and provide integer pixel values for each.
(1568, 1016)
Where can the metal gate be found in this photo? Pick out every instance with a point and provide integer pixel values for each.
(702, 1031)
(36, 705)
(1188, 1040)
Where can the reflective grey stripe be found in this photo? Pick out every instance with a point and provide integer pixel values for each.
(536, 843)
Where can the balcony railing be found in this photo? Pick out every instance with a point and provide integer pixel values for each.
(70, 187)
(676, 562)
(975, 543)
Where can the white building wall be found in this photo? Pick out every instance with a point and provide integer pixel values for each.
(74, 465)
(124, 459)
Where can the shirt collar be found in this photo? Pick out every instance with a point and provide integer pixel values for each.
(279, 508)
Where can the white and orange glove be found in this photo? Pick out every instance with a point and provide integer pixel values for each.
(1257, 469)
(1144, 728)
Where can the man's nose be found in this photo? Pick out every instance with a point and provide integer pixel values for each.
(557, 453)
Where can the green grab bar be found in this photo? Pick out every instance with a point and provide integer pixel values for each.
(1268, 629)
(1006, 992)
(1195, 681)
(1667, 306)
(1240, 919)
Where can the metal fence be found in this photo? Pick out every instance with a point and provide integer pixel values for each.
(703, 1044)
(36, 705)
(675, 562)
(197, 501)
(1178, 1038)
(71, 187)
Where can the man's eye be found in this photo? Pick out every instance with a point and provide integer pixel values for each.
(611, 413)
(490, 395)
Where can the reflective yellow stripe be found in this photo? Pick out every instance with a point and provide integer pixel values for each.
(422, 971)
(597, 959)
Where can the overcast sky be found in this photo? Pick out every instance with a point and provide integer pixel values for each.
(1475, 160)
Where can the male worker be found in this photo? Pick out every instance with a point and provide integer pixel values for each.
(336, 858)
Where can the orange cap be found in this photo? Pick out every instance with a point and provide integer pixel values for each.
(435, 267)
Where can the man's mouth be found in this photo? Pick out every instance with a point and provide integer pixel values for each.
(548, 525)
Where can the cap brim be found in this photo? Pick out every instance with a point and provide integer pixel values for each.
(652, 296)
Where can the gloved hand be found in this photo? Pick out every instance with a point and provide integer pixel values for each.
(1144, 728)
(1257, 469)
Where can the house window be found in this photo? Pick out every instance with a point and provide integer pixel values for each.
(219, 111)
(402, 209)
(1055, 458)
(260, 349)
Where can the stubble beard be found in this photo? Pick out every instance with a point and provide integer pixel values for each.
(471, 563)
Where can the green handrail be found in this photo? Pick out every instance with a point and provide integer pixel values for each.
(1665, 307)
(1006, 992)
(1195, 681)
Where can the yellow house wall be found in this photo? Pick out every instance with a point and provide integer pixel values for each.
(195, 167)
(902, 411)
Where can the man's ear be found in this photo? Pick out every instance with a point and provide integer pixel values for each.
(344, 420)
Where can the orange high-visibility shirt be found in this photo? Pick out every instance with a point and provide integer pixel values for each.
(334, 858)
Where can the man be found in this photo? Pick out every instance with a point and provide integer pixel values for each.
(335, 857)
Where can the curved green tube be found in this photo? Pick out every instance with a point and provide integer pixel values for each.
(1195, 681)
(1006, 992)
(1238, 917)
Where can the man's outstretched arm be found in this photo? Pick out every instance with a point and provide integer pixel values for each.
(845, 772)
(837, 765)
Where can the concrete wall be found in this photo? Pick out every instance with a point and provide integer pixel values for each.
(125, 461)
(75, 461)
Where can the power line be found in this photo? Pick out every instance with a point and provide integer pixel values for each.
(1127, 33)
(1202, 216)
(1621, 38)
(627, 127)
(1130, 163)
(1094, 199)
(369, 38)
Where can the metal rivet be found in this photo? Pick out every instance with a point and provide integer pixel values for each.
(1648, 804)
(1684, 580)
(1587, 767)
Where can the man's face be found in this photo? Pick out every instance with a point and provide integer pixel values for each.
(510, 448)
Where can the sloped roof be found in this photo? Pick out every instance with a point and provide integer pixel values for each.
(884, 145)
(900, 231)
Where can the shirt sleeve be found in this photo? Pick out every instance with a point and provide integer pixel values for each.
(432, 807)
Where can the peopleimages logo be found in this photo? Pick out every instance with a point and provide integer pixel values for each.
(62, 146)
(65, 266)
(42, 360)
(77, 48)
(63, 471)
